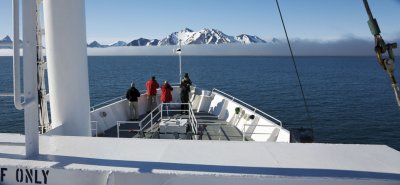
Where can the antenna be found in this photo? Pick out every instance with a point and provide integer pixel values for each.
(179, 51)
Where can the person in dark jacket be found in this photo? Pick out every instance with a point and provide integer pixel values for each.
(132, 95)
(185, 90)
(166, 95)
(151, 86)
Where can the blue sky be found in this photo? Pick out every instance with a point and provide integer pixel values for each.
(322, 20)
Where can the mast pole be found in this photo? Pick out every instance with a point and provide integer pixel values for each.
(31, 111)
(67, 66)
(369, 12)
(180, 60)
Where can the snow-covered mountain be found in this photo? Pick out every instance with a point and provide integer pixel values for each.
(154, 42)
(96, 44)
(119, 43)
(6, 39)
(204, 36)
(139, 42)
(144, 42)
(248, 39)
(6, 42)
(173, 38)
(276, 41)
(185, 36)
(188, 37)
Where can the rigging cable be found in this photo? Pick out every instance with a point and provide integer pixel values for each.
(381, 48)
(295, 66)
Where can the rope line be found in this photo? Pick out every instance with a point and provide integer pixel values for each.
(295, 66)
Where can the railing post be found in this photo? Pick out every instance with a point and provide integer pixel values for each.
(189, 107)
(162, 109)
(141, 133)
(118, 129)
(151, 117)
(151, 127)
(243, 132)
(219, 132)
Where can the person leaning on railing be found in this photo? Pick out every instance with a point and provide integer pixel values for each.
(166, 95)
(185, 90)
(132, 95)
(151, 86)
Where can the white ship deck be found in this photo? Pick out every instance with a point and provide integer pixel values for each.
(212, 113)
(211, 127)
(179, 159)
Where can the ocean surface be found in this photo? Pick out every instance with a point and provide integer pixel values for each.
(350, 98)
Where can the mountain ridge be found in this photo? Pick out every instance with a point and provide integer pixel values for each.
(187, 36)
(6, 43)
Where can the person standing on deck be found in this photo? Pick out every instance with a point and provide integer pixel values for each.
(185, 90)
(151, 86)
(132, 95)
(166, 95)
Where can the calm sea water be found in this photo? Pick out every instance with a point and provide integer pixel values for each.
(350, 98)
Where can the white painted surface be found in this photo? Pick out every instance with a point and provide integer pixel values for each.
(31, 111)
(173, 125)
(216, 105)
(283, 135)
(65, 27)
(204, 103)
(217, 162)
(107, 116)
(264, 128)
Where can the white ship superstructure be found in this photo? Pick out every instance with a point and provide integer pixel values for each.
(221, 139)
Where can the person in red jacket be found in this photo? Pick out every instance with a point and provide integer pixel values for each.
(151, 86)
(166, 95)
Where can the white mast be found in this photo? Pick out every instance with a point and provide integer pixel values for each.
(31, 114)
(66, 51)
(179, 51)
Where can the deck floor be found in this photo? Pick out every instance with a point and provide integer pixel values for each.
(209, 125)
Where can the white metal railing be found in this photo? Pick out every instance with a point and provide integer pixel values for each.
(44, 128)
(153, 119)
(95, 128)
(94, 107)
(140, 130)
(244, 133)
(255, 110)
(156, 116)
(107, 102)
(16, 58)
(192, 118)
